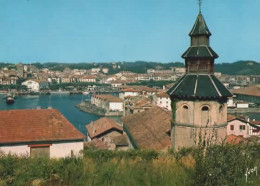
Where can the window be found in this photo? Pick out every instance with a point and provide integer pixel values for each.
(242, 127)
(185, 114)
(204, 115)
(231, 127)
(255, 130)
(40, 152)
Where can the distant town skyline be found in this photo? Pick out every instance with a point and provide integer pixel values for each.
(124, 30)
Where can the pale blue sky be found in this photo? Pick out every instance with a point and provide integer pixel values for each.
(124, 30)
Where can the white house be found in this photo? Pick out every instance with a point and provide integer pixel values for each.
(242, 104)
(163, 100)
(239, 126)
(32, 85)
(35, 85)
(39, 132)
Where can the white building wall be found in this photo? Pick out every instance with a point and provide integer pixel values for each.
(61, 150)
(32, 85)
(57, 150)
(124, 94)
(118, 106)
(242, 105)
(164, 102)
(16, 150)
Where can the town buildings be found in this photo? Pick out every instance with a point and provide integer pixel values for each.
(107, 132)
(39, 132)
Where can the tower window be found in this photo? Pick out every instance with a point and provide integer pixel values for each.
(185, 114)
(205, 108)
(205, 116)
(231, 127)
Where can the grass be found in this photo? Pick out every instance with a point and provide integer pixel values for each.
(135, 167)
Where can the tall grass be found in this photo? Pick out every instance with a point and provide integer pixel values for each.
(217, 165)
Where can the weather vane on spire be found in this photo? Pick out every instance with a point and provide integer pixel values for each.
(200, 1)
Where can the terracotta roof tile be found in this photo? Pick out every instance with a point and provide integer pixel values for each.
(101, 126)
(33, 125)
(108, 97)
(251, 91)
(149, 128)
(120, 140)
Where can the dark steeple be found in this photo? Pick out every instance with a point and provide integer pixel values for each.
(199, 57)
(199, 81)
(200, 27)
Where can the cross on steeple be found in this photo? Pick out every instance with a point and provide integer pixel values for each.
(200, 1)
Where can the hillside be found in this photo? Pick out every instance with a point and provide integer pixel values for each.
(236, 68)
(239, 68)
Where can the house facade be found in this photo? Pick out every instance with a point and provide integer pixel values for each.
(39, 132)
(242, 127)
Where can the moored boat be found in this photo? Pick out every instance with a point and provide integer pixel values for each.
(9, 99)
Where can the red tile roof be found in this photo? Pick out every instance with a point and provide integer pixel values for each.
(163, 95)
(102, 126)
(137, 89)
(108, 97)
(149, 129)
(251, 91)
(35, 125)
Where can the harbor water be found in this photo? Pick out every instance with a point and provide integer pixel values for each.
(65, 103)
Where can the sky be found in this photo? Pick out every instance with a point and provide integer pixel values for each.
(124, 30)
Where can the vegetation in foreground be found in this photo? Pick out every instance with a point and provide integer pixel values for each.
(214, 165)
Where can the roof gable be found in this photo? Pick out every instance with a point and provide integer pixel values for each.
(102, 126)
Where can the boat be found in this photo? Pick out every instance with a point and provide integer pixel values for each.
(9, 99)
(85, 93)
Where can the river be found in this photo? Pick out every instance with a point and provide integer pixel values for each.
(63, 102)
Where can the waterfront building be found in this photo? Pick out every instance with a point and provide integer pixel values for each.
(108, 102)
(39, 132)
(199, 99)
(149, 129)
(35, 85)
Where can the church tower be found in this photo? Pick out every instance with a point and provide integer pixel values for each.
(199, 99)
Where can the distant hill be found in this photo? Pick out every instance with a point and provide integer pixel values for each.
(239, 68)
(236, 68)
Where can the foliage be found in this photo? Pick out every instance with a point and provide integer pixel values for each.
(213, 165)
